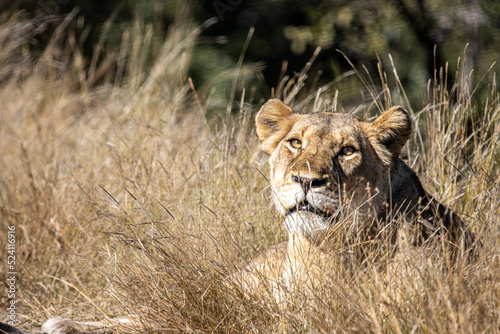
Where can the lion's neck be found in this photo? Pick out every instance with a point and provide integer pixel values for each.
(405, 189)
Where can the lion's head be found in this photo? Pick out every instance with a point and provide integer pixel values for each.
(325, 164)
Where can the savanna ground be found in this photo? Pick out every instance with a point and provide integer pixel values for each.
(128, 199)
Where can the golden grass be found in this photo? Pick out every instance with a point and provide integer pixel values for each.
(127, 200)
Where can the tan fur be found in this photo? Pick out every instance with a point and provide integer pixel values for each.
(288, 267)
(343, 170)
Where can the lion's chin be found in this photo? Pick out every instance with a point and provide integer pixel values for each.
(306, 222)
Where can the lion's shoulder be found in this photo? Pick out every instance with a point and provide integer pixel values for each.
(405, 186)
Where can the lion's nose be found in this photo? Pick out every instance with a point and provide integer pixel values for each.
(307, 183)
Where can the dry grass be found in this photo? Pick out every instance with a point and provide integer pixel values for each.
(128, 201)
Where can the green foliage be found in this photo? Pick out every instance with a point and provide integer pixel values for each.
(419, 35)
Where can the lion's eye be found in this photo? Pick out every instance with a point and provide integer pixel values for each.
(295, 143)
(348, 150)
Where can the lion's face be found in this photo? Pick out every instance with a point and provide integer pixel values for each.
(325, 166)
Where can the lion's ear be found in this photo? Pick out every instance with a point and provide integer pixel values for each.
(274, 121)
(391, 130)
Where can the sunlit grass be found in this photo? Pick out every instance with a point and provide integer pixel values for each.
(129, 201)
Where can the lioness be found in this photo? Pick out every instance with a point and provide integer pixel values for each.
(328, 168)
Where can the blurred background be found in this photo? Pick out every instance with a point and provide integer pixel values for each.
(414, 36)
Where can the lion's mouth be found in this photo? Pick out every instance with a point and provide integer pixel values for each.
(306, 206)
